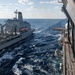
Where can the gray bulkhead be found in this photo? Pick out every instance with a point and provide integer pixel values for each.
(16, 24)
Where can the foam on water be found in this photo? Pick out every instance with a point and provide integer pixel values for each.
(16, 70)
(29, 67)
(6, 56)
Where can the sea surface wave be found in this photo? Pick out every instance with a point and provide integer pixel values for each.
(36, 55)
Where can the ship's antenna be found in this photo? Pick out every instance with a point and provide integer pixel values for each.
(16, 12)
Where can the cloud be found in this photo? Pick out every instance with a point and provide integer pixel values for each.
(3, 5)
(25, 2)
(32, 8)
(30, 3)
(54, 2)
(50, 2)
(43, 2)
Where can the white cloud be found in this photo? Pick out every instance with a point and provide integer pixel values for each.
(44, 2)
(23, 1)
(26, 2)
(30, 3)
(3, 5)
(50, 2)
(54, 2)
(32, 8)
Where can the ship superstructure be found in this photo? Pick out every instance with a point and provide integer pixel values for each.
(14, 30)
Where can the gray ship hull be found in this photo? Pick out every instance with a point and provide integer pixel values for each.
(70, 7)
(16, 39)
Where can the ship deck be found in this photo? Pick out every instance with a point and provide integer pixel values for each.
(68, 60)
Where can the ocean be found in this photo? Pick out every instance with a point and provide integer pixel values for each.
(36, 54)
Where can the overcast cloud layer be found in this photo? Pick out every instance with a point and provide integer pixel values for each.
(31, 8)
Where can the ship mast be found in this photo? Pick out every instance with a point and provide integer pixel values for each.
(16, 12)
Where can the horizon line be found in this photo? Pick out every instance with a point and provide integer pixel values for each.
(35, 18)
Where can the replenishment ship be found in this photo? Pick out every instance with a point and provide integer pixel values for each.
(14, 30)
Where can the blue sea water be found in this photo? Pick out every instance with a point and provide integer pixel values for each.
(35, 55)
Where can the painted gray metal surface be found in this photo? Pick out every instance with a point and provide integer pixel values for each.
(70, 7)
(24, 35)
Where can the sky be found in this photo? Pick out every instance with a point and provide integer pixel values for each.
(32, 9)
